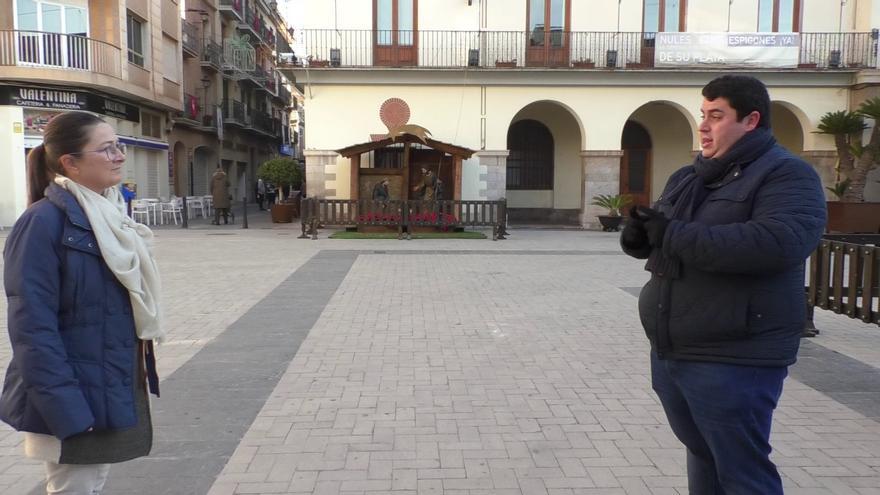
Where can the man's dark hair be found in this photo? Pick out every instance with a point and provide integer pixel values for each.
(746, 94)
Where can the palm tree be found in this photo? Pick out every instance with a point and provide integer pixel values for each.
(854, 160)
(868, 156)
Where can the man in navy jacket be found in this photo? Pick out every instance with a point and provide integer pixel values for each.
(725, 307)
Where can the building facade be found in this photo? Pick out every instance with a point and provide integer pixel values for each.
(234, 111)
(187, 85)
(563, 100)
(111, 57)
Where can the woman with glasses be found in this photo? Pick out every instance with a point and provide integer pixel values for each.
(83, 293)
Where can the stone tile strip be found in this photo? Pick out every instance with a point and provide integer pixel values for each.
(210, 402)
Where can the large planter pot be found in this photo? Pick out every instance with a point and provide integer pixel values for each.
(282, 212)
(853, 217)
(610, 223)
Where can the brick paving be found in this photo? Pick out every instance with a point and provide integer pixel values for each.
(467, 367)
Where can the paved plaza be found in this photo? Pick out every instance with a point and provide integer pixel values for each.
(457, 367)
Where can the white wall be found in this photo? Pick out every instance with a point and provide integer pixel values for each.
(351, 113)
(337, 14)
(470, 179)
(529, 199)
(452, 113)
(588, 15)
(13, 168)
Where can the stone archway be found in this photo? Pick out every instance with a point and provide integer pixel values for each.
(540, 192)
(671, 137)
(786, 127)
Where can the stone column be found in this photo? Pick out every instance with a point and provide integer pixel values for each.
(823, 162)
(317, 175)
(601, 176)
(495, 177)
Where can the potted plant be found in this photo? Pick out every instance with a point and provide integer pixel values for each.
(855, 160)
(508, 64)
(614, 203)
(284, 173)
(585, 63)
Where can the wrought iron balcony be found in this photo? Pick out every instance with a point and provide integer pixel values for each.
(196, 113)
(234, 114)
(262, 122)
(556, 49)
(212, 55)
(59, 51)
(191, 113)
(190, 43)
(284, 95)
(232, 9)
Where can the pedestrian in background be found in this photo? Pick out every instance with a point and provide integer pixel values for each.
(270, 195)
(261, 193)
(724, 309)
(220, 192)
(83, 293)
(128, 195)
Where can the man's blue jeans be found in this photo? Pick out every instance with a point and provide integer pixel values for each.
(722, 414)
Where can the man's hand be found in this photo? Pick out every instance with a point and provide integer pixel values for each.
(655, 224)
(634, 235)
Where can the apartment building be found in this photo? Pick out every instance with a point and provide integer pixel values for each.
(234, 111)
(562, 100)
(115, 58)
(188, 85)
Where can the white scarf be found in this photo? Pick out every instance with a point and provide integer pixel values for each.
(125, 246)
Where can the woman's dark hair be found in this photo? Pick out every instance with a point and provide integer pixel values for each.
(66, 133)
(745, 94)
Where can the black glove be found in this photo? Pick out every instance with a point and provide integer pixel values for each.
(655, 224)
(634, 235)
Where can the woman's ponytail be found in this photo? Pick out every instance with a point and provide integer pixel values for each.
(37, 174)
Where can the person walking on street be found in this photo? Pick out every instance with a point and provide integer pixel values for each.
(261, 193)
(84, 293)
(270, 195)
(220, 191)
(724, 308)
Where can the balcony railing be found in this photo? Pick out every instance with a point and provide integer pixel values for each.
(256, 26)
(283, 94)
(261, 121)
(59, 51)
(196, 112)
(232, 8)
(212, 55)
(233, 113)
(191, 110)
(190, 38)
(517, 49)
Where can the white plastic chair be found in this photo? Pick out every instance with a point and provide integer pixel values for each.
(155, 207)
(173, 208)
(208, 201)
(140, 211)
(195, 205)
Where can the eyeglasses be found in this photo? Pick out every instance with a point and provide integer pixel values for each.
(109, 151)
